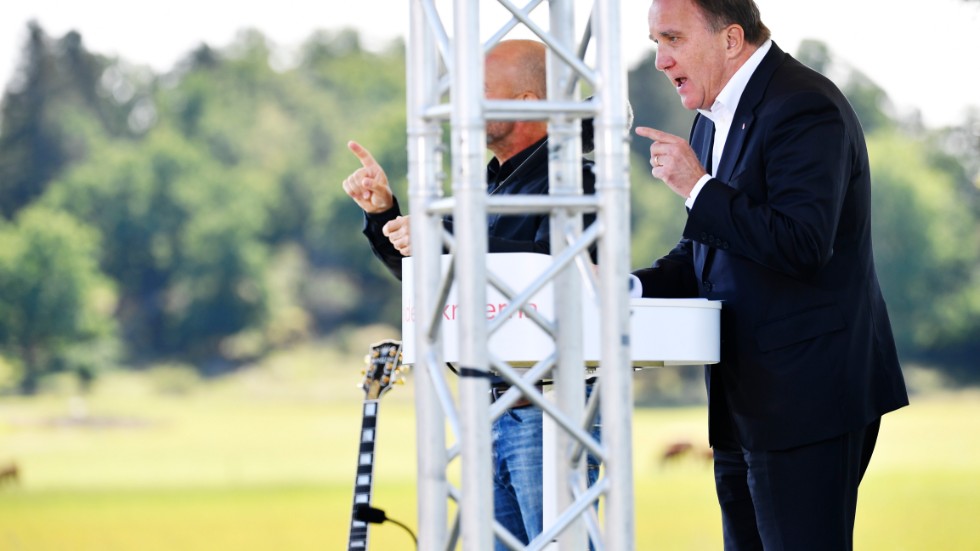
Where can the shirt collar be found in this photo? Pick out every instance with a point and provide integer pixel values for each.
(497, 173)
(728, 98)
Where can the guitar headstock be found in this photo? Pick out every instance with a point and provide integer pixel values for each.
(384, 368)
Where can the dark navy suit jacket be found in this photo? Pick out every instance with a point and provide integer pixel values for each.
(782, 235)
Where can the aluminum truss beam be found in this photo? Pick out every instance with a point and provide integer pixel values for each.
(437, 64)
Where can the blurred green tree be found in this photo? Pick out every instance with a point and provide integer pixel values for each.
(214, 194)
(53, 298)
(182, 239)
(62, 96)
(927, 246)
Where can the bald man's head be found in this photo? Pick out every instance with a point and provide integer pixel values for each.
(518, 66)
(515, 70)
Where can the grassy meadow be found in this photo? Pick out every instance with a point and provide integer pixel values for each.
(266, 459)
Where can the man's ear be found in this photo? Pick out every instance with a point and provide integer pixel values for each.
(734, 39)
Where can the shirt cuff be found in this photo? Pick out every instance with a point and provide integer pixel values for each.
(375, 221)
(636, 287)
(689, 202)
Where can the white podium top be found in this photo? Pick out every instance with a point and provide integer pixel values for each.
(662, 331)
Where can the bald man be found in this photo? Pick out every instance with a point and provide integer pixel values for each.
(513, 70)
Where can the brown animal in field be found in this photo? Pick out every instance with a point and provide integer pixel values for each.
(675, 451)
(9, 474)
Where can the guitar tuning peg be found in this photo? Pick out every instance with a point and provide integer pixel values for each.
(400, 381)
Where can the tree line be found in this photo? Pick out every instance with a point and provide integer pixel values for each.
(196, 215)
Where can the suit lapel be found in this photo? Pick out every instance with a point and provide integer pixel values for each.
(745, 112)
(733, 146)
(702, 135)
(741, 124)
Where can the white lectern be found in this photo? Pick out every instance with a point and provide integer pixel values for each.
(663, 331)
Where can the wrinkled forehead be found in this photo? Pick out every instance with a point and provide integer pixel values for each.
(675, 10)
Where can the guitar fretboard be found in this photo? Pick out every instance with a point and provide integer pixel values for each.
(365, 472)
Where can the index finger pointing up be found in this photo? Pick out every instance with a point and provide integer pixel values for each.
(367, 160)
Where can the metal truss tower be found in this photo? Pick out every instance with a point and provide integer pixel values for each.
(445, 88)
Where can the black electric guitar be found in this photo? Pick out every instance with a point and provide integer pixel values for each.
(383, 370)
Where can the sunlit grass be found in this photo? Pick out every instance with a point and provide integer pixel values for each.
(266, 460)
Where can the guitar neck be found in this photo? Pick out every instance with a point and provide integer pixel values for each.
(358, 539)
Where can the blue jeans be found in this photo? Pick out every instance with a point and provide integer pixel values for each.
(517, 471)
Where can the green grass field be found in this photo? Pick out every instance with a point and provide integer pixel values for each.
(266, 460)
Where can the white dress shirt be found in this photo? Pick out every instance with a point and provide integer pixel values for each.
(721, 113)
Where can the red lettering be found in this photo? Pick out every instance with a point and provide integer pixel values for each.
(449, 312)
(530, 305)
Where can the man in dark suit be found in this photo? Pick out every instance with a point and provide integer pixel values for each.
(777, 184)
